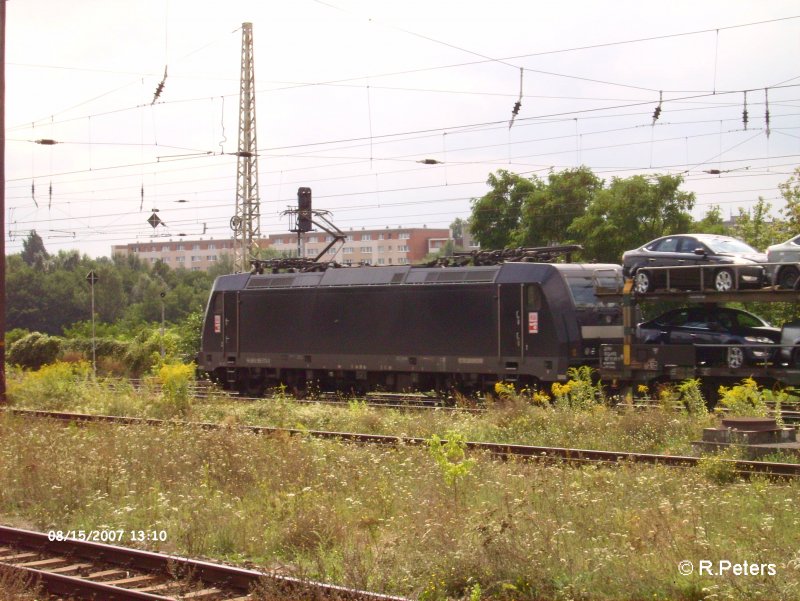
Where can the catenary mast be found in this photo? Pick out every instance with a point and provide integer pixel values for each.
(246, 223)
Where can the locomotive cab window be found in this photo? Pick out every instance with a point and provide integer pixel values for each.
(582, 288)
(533, 298)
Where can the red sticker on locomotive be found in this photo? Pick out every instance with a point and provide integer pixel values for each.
(533, 322)
(218, 324)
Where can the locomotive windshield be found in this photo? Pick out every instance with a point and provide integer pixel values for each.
(582, 287)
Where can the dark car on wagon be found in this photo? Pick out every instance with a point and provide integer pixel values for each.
(695, 262)
(748, 335)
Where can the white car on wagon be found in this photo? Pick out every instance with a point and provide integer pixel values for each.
(785, 276)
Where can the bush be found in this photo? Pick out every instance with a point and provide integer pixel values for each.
(53, 387)
(34, 350)
(744, 400)
(16, 334)
(579, 392)
(144, 352)
(174, 380)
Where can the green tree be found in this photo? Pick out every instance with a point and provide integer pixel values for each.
(756, 226)
(790, 190)
(458, 228)
(33, 250)
(549, 209)
(496, 215)
(630, 212)
(711, 223)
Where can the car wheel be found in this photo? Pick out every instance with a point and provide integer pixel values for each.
(794, 360)
(735, 357)
(787, 278)
(724, 280)
(642, 282)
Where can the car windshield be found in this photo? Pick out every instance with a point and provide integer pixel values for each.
(729, 245)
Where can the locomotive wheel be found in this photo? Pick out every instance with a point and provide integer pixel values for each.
(724, 280)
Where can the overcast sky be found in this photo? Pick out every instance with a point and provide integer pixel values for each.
(351, 95)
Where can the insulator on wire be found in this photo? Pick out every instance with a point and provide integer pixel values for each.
(518, 103)
(160, 86)
(657, 112)
(744, 112)
(33, 194)
(50, 196)
(766, 113)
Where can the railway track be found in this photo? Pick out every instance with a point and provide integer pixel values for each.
(500, 450)
(89, 570)
(202, 389)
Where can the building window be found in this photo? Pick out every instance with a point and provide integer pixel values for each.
(181, 259)
(180, 246)
(404, 235)
(348, 250)
(135, 249)
(195, 259)
(403, 248)
(366, 237)
(380, 249)
(195, 247)
(380, 237)
(195, 269)
(212, 246)
(211, 258)
(366, 249)
(381, 261)
(312, 239)
(402, 261)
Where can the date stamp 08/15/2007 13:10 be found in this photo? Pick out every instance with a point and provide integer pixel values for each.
(118, 535)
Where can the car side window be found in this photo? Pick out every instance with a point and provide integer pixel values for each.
(667, 245)
(676, 319)
(726, 320)
(747, 321)
(697, 319)
(688, 245)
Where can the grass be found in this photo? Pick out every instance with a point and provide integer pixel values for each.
(391, 520)
(509, 419)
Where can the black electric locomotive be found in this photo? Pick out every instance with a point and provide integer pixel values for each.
(405, 328)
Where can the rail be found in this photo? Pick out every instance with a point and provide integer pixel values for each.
(499, 450)
(91, 570)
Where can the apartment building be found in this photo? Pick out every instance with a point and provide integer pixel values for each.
(384, 246)
(380, 246)
(195, 255)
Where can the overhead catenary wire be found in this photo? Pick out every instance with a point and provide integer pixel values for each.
(451, 129)
(332, 157)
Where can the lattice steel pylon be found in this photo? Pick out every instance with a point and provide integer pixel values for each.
(246, 223)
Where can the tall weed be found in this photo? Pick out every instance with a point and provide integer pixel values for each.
(55, 387)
